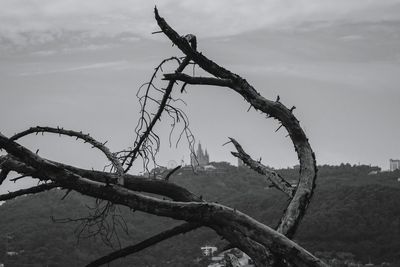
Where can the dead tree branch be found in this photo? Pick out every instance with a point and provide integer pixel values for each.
(143, 138)
(266, 246)
(297, 207)
(3, 175)
(197, 80)
(216, 216)
(132, 182)
(172, 172)
(32, 190)
(278, 181)
(78, 135)
(177, 230)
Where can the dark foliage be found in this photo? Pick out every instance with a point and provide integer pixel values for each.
(351, 212)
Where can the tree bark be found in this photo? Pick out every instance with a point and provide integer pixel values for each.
(231, 224)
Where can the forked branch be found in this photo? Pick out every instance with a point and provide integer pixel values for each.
(216, 216)
(264, 244)
(298, 205)
(132, 182)
(278, 181)
(140, 144)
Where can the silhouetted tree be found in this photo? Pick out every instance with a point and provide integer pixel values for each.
(265, 245)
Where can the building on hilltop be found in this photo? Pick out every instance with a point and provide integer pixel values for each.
(208, 250)
(394, 164)
(232, 257)
(200, 158)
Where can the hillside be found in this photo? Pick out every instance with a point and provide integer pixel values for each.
(351, 212)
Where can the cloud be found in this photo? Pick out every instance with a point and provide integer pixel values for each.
(114, 65)
(235, 16)
(94, 15)
(205, 18)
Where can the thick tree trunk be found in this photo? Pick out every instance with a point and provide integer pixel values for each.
(233, 225)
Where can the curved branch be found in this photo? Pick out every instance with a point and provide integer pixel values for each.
(182, 43)
(261, 242)
(172, 172)
(31, 190)
(79, 135)
(132, 182)
(308, 170)
(213, 215)
(180, 229)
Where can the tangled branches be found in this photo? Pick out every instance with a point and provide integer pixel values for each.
(265, 245)
(147, 142)
(104, 220)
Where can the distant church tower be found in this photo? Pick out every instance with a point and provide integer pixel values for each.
(202, 157)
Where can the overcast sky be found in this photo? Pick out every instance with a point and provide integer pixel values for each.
(210, 18)
(78, 64)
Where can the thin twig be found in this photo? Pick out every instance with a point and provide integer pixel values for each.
(172, 172)
(31, 190)
(79, 135)
(181, 229)
(278, 181)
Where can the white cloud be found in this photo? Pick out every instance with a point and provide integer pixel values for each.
(114, 65)
(205, 18)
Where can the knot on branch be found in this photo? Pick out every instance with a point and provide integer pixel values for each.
(192, 40)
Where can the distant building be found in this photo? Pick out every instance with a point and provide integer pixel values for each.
(394, 164)
(201, 158)
(12, 253)
(233, 257)
(208, 250)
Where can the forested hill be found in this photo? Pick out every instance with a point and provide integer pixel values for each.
(351, 212)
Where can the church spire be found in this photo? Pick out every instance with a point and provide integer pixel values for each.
(201, 157)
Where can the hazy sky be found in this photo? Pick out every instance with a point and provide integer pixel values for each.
(78, 64)
(210, 18)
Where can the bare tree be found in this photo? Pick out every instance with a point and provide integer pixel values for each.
(265, 245)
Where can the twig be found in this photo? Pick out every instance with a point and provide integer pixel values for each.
(66, 194)
(143, 138)
(79, 135)
(172, 172)
(31, 190)
(278, 181)
(181, 229)
(19, 177)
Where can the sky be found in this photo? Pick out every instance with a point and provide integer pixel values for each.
(78, 65)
